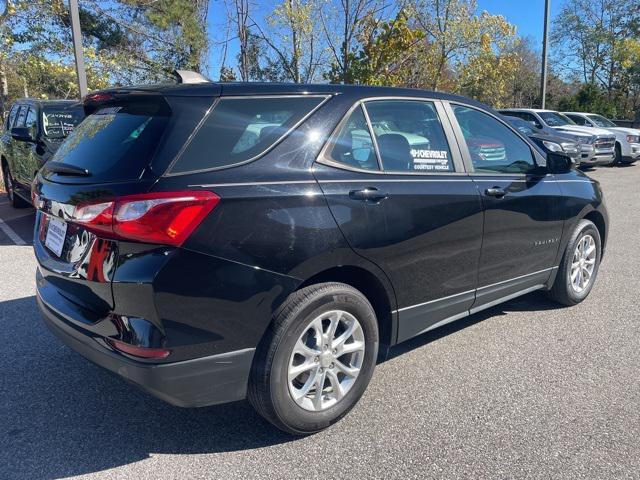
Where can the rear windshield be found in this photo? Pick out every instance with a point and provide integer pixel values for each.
(116, 143)
(59, 122)
(240, 129)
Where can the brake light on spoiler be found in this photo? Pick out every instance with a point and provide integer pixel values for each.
(166, 218)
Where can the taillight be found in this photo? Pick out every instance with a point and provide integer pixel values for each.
(167, 218)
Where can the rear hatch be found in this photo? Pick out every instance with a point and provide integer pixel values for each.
(118, 151)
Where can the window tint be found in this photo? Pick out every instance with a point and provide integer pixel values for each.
(493, 146)
(410, 136)
(12, 117)
(239, 129)
(22, 115)
(115, 143)
(353, 145)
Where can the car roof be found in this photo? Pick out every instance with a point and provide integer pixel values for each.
(267, 88)
(584, 114)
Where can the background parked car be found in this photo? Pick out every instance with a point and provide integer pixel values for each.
(627, 148)
(597, 149)
(548, 143)
(32, 133)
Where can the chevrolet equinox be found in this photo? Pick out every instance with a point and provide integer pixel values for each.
(213, 242)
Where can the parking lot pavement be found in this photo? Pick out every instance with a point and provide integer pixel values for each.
(16, 224)
(524, 390)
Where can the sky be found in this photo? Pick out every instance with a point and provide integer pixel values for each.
(526, 15)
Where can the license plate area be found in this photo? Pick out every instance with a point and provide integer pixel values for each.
(55, 236)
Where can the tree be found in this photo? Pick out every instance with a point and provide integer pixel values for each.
(340, 25)
(292, 36)
(388, 48)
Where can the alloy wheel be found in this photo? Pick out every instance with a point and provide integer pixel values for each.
(583, 263)
(326, 360)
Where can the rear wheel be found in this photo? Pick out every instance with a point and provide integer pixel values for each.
(14, 200)
(579, 266)
(316, 360)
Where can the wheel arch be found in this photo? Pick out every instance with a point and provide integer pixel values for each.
(598, 220)
(381, 296)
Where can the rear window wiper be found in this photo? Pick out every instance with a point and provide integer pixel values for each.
(67, 169)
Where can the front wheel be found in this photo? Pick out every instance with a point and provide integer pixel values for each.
(316, 359)
(579, 266)
(618, 157)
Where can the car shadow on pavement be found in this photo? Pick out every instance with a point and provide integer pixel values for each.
(63, 416)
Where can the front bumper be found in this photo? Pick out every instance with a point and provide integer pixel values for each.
(596, 157)
(190, 383)
(631, 153)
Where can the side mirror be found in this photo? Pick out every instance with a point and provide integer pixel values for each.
(22, 133)
(559, 163)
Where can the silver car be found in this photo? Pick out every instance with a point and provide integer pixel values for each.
(627, 148)
(598, 148)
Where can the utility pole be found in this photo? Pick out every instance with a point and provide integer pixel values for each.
(76, 33)
(545, 44)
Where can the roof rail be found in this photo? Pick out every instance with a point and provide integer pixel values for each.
(187, 76)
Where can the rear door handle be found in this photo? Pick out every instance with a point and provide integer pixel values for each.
(497, 192)
(370, 194)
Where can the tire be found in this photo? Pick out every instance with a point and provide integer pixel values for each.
(270, 390)
(14, 200)
(618, 158)
(564, 290)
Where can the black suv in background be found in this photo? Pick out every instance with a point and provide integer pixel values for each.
(32, 133)
(548, 143)
(210, 242)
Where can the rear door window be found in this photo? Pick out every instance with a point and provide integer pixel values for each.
(241, 129)
(115, 143)
(410, 136)
(353, 145)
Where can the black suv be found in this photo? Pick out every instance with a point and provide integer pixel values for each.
(32, 133)
(212, 242)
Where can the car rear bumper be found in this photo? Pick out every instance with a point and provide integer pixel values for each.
(191, 383)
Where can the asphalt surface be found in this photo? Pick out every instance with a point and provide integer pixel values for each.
(524, 390)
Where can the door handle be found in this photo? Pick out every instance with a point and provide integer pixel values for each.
(497, 192)
(369, 194)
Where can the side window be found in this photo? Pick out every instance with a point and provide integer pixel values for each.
(493, 147)
(12, 117)
(30, 121)
(353, 146)
(239, 129)
(531, 119)
(410, 136)
(22, 114)
(579, 120)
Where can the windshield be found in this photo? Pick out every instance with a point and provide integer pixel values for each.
(555, 119)
(59, 122)
(600, 121)
(522, 126)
